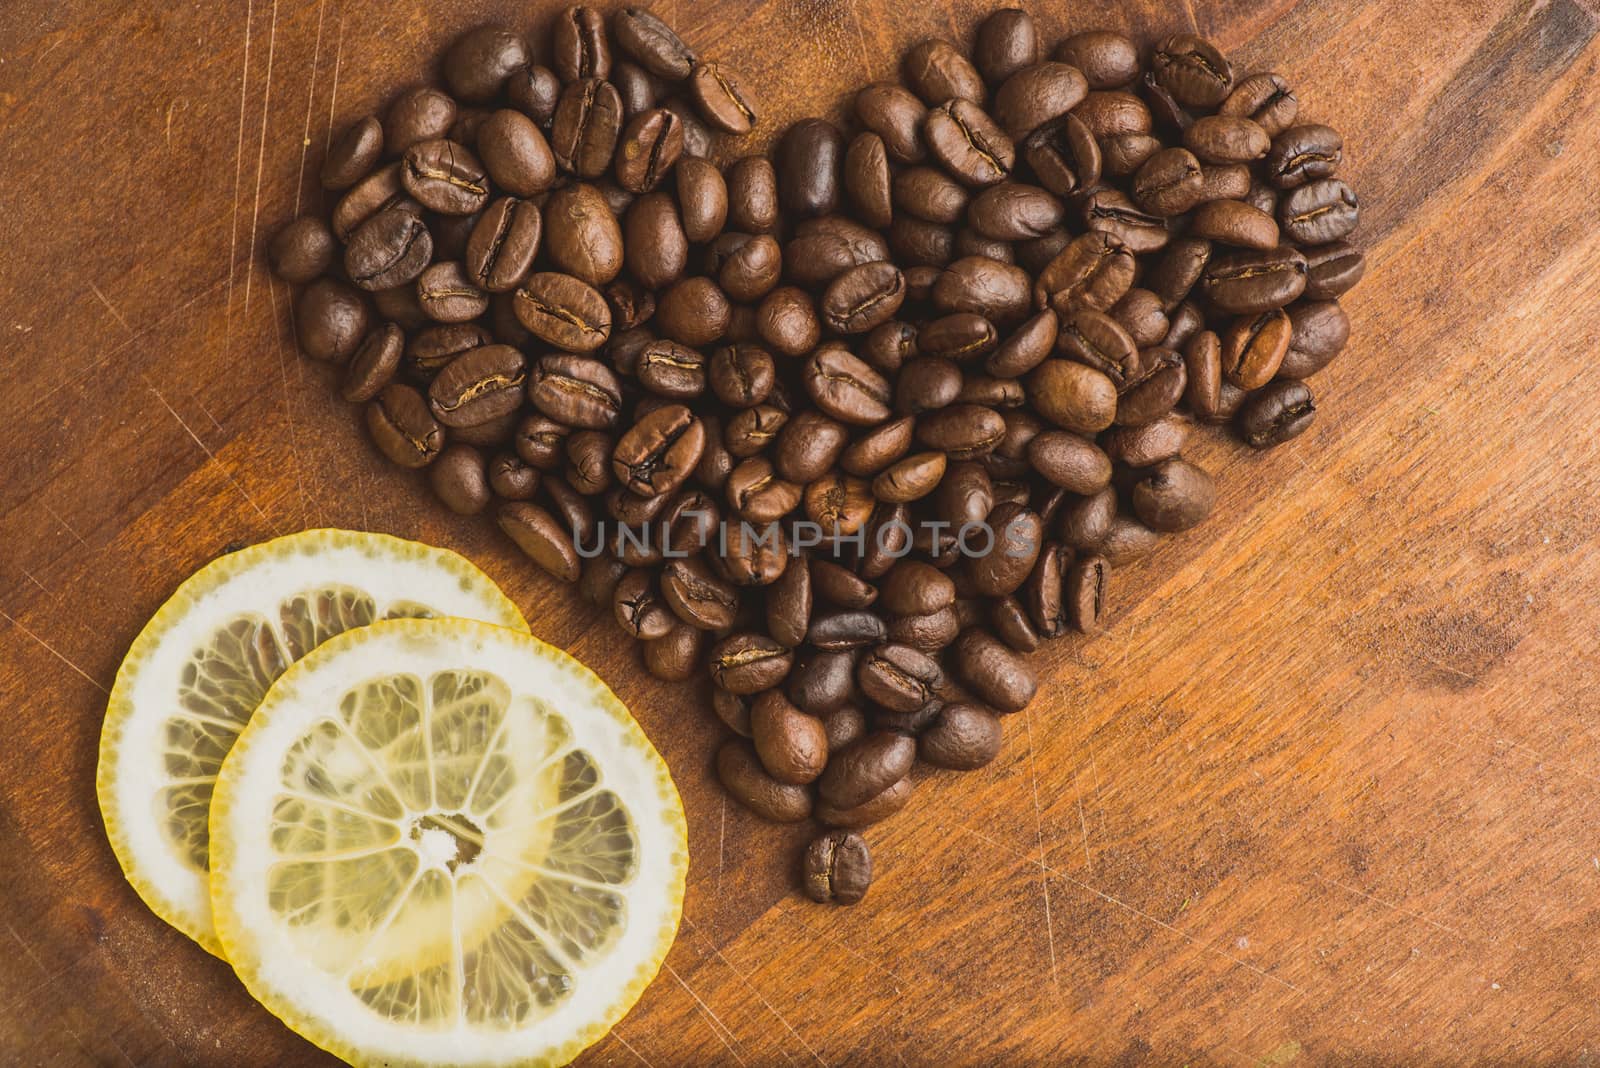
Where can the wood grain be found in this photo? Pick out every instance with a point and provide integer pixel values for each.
(1324, 792)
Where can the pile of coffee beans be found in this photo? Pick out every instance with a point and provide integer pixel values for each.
(853, 427)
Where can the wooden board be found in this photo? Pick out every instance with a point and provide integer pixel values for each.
(1326, 790)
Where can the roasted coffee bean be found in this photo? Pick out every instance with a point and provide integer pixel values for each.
(822, 683)
(1174, 495)
(1095, 269)
(649, 147)
(353, 156)
(862, 297)
(1169, 182)
(898, 677)
(929, 194)
(752, 195)
(808, 159)
(880, 807)
(920, 244)
(1320, 330)
(750, 431)
(564, 311)
(534, 90)
(512, 478)
(915, 588)
(1264, 98)
(834, 631)
(435, 346)
(896, 115)
(837, 869)
(909, 479)
(962, 431)
(674, 656)
(1202, 361)
(826, 247)
(1178, 270)
(1073, 396)
(652, 43)
(417, 115)
(669, 369)
(792, 745)
(1037, 94)
(969, 144)
(1026, 348)
(752, 555)
(374, 364)
(846, 388)
(587, 123)
(1141, 314)
(1107, 58)
(1332, 270)
(542, 537)
(303, 251)
(1083, 523)
(789, 605)
(1010, 621)
(1244, 283)
(331, 320)
(741, 376)
(702, 199)
(839, 505)
(741, 774)
(479, 385)
(878, 448)
(1155, 390)
(965, 495)
(1097, 340)
(693, 311)
(1043, 592)
(1069, 461)
(480, 61)
(1233, 222)
(749, 266)
(1016, 535)
(457, 477)
(378, 191)
(1278, 411)
(867, 179)
(1000, 393)
(660, 451)
(1127, 540)
(1225, 181)
(1253, 348)
(515, 153)
(841, 587)
(995, 674)
(720, 99)
(758, 494)
(445, 177)
(541, 441)
(639, 608)
(1123, 154)
(657, 249)
(1064, 155)
(962, 737)
(1302, 154)
(576, 391)
(982, 286)
(1226, 139)
(1262, 197)
(937, 71)
(503, 244)
(697, 596)
(1111, 212)
(1319, 212)
(930, 633)
(808, 446)
(582, 236)
(732, 709)
(889, 346)
(749, 663)
(574, 511)
(1192, 70)
(863, 770)
(579, 47)
(925, 384)
(1012, 211)
(1111, 113)
(639, 89)
(1142, 446)
(448, 295)
(1085, 593)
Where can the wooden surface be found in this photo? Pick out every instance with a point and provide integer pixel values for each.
(1327, 790)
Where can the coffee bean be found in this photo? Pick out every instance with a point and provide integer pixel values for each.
(1142, 446)
(878, 448)
(809, 158)
(353, 156)
(1111, 212)
(1233, 222)
(1332, 270)
(564, 311)
(1302, 154)
(1123, 154)
(962, 737)
(741, 774)
(909, 479)
(515, 153)
(1085, 522)
(841, 587)
(865, 769)
(417, 115)
(751, 267)
(1250, 282)
(1027, 346)
(1254, 346)
(513, 478)
(445, 177)
(697, 596)
(659, 452)
(330, 320)
(702, 199)
(1227, 139)
(896, 115)
(826, 247)
(862, 297)
(1174, 495)
(585, 128)
(1192, 70)
(579, 47)
(845, 388)
(1073, 396)
(994, 673)
(374, 364)
(982, 286)
(1107, 59)
(835, 631)
(1264, 98)
(1017, 536)
(750, 431)
(1064, 155)
(1037, 94)
(1069, 461)
(898, 677)
(674, 656)
(1154, 390)
(720, 99)
(576, 391)
(1280, 410)
(1319, 212)
(649, 147)
(966, 495)
(792, 745)
(1012, 211)
(1095, 269)
(929, 633)
(758, 494)
(1084, 591)
(867, 179)
(458, 480)
(937, 71)
(1320, 329)
(639, 89)
(542, 537)
(479, 385)
(969, 144)
(1010, 621)
(448, 295)
(669, 369)
(302, 251)
(1169, 182)
(837, 869)
(1109, 114)
(639, 607)
(1141, 314)
(1008, 40)
(749, 663)
(878, 808)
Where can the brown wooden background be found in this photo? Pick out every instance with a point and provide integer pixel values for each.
(1327, 790)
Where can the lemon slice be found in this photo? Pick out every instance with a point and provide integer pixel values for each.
(442, 842)
(199, 668)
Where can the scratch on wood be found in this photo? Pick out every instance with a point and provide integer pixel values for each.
(311, 95)
(333, 93)
(211, 457)
(238, 172)
(748, 985)
(861, 34)
(112, 309)
(66, 525)
(717, 1026)
(722, 842)
(629, 1047)
(1387, 905)
(53, 651)
(261, 158)
(1038, 832)
(784, 914)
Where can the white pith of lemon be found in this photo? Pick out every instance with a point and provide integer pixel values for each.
(196, 672)
(440, 842)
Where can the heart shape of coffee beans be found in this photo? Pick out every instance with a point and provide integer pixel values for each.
(853, 428)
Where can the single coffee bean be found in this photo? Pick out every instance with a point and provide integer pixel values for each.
(302, 251)
(1320, 330)
(388, 250)
(927, 383)
(936, 71)
(741, 376)
(564, 311)
(659, 452)
(669, 369)
(920, 245)
(995, 674)
(914, 588)
(374, 364)
(898, 677)
(962, 431)
(1064, 155)
(962, 737)
(697, 596)
(837, 869)
(1227, 139)
(1038, 94)
(969, 144)
(1168, 112)
(448, 295)
(808, 446)
(1302, 154)
(1153, 392)
(1253, 348)
(930, 194)
(741, 774)
(1016, 534)
(579, 47)
(649, 147)
(479, 62)
(965, 496)
(809, 158)
(639, 89)
(1043, 592)
(1226, 181)
(582, 236)
(792, 745)
(750, 266)
(863, 297)
(1095, 269)
(378, 191)
(1233, 222)
(1123, 155)
(1184, 323)
(534, 90)
(503, 244)
(753, 195)
(751, 555)
(639, 607)
(1192, 70)
(432, 348)
(1012, 211)
(910, 479)
(702, 199)
(576, 391)
(541, 441)
(878, 448)
(732, 709)
(1141, 314)
(1107, 59)
(512, 478)
(1111, 212)
(1178, 270)
(693, 311)
(1011, 623)
(1319, 212)
(1174, 495)
(445, 177)
(833, 631)
(656, 247)
(674, 656)
(751, 430)
(1142, 446)
(515, 153)
(823, 682)
(758, 494)
(652, 43)
(844, 387)
(720, 99)
(1109, 114)
(1097, 340)
(896, 115)
(587, 123)
(479, 385)
(867, 179)
(878, 808)
(353, 156)
(982, 286)
(929, 633)
(1332, 270)
(825, 247)
(458, 480)
(865, 769)
(542, 537)
(1169, 182)
(1084, 522)
(1085, 593)
(574, 510)
(1202, 360)
(417, 115)
(1244, 283)
(330, 320)
(789, 605)
(1069, 461)
(749, 663)
(1026, 348)
(1280, 410)
(841, 587)
(1008, 40)
(1264, 98)
(1073, 396)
